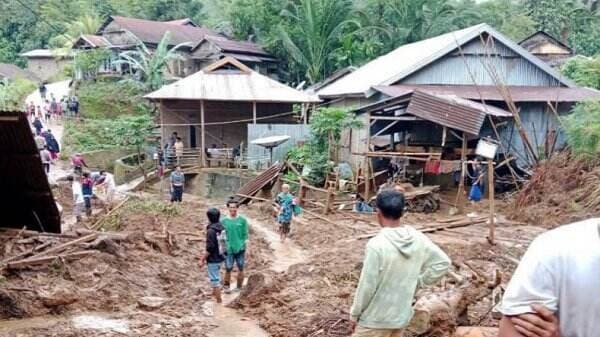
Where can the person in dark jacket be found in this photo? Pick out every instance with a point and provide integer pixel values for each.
(52, 144)
(213, 256)
(37, 124)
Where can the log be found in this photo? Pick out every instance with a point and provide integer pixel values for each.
(114, 236)
(45, 259)
(24, 254)
(64, 246)
(97, 224)
(28, 233)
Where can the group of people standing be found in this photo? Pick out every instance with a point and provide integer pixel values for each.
(85, 185)
(48, 147)
(226, 241)
(53, 109)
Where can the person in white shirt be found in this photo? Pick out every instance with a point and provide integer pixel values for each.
(555, 290)
(78, 200)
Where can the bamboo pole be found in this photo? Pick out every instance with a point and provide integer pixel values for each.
(366, 170)
(202, 135)
(460, 199)
(491, 237)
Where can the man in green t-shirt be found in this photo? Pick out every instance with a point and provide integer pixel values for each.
(236, 231)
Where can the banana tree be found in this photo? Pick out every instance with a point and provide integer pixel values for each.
(152, 64)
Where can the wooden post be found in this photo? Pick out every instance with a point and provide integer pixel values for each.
(492, 234)
(366, 170)
(202, 135)
(253, 112)
(460, 198)
(162, 142)
(330, 200)
(305, 113)
(301, 193)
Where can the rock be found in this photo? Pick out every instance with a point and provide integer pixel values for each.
(152, 302)
(57, 298)
(475, 331)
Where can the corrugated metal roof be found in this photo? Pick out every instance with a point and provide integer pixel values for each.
(446, 112)
(492, 93)
(95, 40)
(25, 194)
(12, 71)
(182, 22)
(45, 53)
(407, 59)
(237, 84)
(227, 45)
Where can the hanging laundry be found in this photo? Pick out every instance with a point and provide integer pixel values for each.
(432, 166)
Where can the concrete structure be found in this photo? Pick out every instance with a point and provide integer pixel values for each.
(203, 46)
(214, 105)
(476, 63)
(46, 64)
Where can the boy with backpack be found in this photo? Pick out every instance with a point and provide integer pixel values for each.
(215, 248)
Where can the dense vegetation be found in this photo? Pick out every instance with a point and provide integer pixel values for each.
(314, 37)
(13, 93)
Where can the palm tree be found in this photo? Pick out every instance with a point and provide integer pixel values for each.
(151, 64)
(87, 24)
(313, 33)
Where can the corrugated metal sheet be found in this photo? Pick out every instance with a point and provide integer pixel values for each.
(410, 58)
(256, 184)
(446, 112)
(243, 85)
(470, 69)
(25, 194)
(492, 93)
(297, 132)
(95, 40)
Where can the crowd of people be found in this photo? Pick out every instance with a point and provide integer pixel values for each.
(53, 109)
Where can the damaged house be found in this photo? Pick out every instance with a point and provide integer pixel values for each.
(518, 98)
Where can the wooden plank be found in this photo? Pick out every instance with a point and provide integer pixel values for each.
(45, 259)
(66, 245)
(203, 134)
(492, 234)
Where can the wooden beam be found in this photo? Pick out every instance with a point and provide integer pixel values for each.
(45, 259)
(66, 245)
(394, 118)
(460, 198)
(253, 112)
(387, 127)
(366, 170)
(492, 235)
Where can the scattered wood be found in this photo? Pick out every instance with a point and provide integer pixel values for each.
(28, 233)
(26, 253)
(64, 246)
(46, 259)
(98, 223)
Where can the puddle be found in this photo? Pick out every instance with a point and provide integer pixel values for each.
(92, 321)
(95, 322)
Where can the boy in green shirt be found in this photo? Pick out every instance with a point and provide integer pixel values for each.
(236, 230)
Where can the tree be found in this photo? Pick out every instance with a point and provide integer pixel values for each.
(584, 71)
(87, 24)
(326, 129)
(582, 127)
(134, 131)
(152, 64)
(312, 32)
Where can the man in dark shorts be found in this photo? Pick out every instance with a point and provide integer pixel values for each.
(214, 249)
(236, 227)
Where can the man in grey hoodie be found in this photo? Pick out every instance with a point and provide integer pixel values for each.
(397, 261)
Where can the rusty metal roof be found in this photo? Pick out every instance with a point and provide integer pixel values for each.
(229, 80)
(492, 93)
(25, 194)
(253, 186)
(446, 112)
(12, 71)
(227, 45)
(93, 40)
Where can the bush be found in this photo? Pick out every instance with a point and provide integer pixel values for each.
(14, 92)
(109, 99)
(582, 127)
(584, 71)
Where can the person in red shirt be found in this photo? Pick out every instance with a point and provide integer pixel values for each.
(78, 163)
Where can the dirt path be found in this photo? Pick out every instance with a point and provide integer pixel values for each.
(230, 322)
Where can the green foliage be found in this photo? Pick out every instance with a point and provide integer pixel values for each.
(312, 31)
(326, 128)
(14, 92)
(152, 64)
(102, 134)
(582, 127)
(88, 62)
(87, 24)
(108, 99)
(584, 71)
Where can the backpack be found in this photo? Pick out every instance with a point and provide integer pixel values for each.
(222, 242)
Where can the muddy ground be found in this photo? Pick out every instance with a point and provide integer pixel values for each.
(305, 287)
